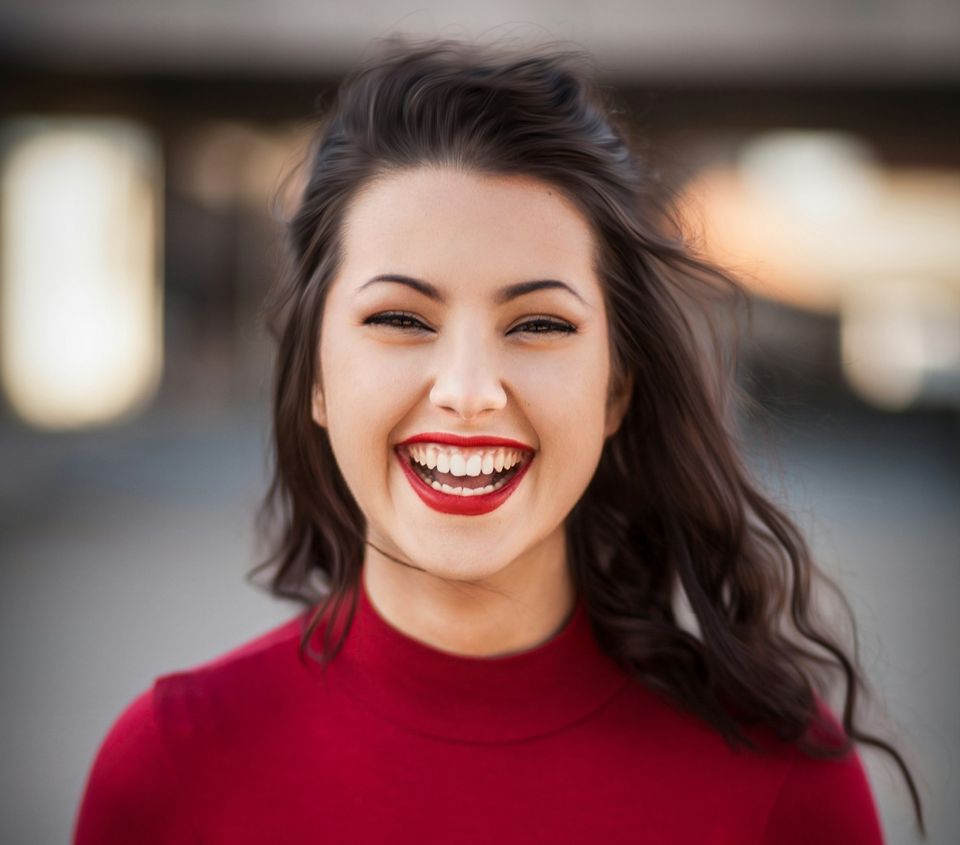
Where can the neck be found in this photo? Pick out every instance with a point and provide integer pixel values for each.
(518, 608)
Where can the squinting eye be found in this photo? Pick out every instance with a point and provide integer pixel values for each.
(547, 326)
(397, 320)
(407, 322)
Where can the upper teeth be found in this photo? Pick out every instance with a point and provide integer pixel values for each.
(464, 461)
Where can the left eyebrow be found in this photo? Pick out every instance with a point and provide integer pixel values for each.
(500, 297)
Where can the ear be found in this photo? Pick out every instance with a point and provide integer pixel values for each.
(318, 408)
(617, 405)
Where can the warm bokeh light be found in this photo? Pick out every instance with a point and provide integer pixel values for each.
(900, 339)
(804, 215)
(81, 332)
(813, 220)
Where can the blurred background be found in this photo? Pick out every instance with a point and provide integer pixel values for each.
(814, 150)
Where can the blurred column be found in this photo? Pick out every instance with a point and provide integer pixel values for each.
(80, 275)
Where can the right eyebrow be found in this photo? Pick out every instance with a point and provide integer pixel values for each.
(502, 296)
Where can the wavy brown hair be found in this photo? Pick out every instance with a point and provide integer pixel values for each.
(671, 512)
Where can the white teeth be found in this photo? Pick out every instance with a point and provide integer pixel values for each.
(464, 462)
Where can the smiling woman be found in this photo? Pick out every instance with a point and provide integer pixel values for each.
(503, 460)
(475, 263)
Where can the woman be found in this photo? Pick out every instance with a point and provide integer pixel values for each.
(502, 460)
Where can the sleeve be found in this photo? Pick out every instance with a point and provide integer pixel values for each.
(131, 793)
(825, 801)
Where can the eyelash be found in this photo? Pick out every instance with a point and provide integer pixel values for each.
(389, 318)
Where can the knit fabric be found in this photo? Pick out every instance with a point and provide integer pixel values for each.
(400, 742)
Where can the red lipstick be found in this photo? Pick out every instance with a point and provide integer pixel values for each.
(462, 505)
(460, 440)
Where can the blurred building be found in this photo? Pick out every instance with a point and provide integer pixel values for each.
(816, 151)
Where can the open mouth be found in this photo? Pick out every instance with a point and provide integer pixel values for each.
(466, 485)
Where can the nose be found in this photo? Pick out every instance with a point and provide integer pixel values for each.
(468, 381)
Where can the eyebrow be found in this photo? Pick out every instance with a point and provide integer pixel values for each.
(500, 297)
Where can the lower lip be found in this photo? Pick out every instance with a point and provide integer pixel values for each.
(460, 505)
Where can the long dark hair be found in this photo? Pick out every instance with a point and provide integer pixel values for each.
(671, 510)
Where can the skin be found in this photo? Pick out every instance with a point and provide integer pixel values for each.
(497, 583)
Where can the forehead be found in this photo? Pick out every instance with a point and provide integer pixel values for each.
(446, 223)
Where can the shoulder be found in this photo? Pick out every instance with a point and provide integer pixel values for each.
(824, 798)
(777, 788)
(253, 674)
(221, 702)
(136, 784)
(131, 790)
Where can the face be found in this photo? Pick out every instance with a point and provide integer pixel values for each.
(396, 362)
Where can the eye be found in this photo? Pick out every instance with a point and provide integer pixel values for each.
(546, 325)
(407, 322)
(396, 319)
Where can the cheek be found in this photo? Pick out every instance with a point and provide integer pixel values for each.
(369, 391)
(564, 403)
(570, 390)
(361, 383)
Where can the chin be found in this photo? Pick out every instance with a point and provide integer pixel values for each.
(464, 568)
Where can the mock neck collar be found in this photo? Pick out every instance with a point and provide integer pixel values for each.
(475, 699)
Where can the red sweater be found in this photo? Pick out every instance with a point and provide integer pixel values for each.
(401, 742)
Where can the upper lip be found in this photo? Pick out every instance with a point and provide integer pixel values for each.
(460, 440)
